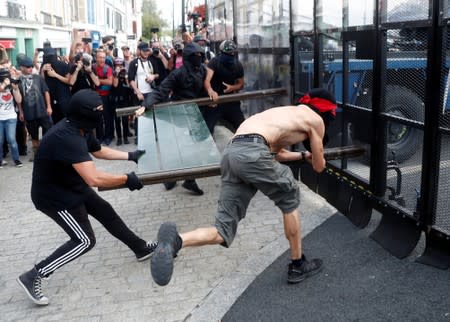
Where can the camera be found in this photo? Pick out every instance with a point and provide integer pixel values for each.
(123, 73)
(15, 81)
(111, 47)
(155, 51)
(86, 40)
(177, 47)
(86, 62)
(154, 30)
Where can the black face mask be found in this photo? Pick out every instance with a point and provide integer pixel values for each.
(195, 60)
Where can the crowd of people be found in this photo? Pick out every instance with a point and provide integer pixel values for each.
(121, 76)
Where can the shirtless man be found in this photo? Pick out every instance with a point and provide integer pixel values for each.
(249, 163)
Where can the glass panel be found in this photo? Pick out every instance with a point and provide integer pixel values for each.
(175, 137)
(302, 15)
(360, 12)
(330, 15)
(281, 24)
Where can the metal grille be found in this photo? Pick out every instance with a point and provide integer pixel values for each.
(441, 221)
(405, 10)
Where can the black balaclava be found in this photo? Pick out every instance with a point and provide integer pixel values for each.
(189, 56)
(83, 111)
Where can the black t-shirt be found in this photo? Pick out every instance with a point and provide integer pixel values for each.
(83, 81)
(59, 91)
(55, 183)
(224, 74)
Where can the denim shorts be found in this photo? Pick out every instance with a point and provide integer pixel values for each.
(247, 167)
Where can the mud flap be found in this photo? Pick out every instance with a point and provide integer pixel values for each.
(437, 250)
(396, 233)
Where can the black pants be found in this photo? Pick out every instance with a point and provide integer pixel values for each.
(230, 112)
(75, 223)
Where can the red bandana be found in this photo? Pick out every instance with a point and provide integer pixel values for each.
(323, 105)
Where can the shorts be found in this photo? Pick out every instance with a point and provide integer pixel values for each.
(247, 167)
(33, 126)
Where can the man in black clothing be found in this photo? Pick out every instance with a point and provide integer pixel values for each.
(57, 76)
(63, 175)
(225, 75)
(183, 83)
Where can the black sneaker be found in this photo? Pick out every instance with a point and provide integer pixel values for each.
(297, 274)
(147, 252)
(125, 140)
(119, 142)
(169, 243)
(31, 283)
(191, 185)
(18, 163)
(170, 185)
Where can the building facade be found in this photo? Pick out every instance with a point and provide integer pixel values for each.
(27, 25)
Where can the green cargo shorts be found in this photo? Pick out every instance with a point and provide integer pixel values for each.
(247, 167)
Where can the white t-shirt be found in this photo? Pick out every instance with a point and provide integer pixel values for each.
(143, 70)
(7, 109)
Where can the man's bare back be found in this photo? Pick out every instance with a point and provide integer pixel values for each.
(284, 126)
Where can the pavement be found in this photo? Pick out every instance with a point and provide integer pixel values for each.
(108, 284)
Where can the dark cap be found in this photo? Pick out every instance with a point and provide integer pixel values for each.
(198, 38)
(26, 61)
(125, 48)
(143, 46)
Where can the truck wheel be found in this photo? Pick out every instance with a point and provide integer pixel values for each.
(403, 141)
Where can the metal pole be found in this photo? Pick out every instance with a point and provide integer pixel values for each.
(203, 101)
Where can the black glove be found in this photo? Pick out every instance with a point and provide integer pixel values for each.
(135, 155)
(133, 182)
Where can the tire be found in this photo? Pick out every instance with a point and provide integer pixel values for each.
(403, 141)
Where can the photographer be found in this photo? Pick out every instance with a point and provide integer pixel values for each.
(81, 74)
(176, 56)
(57, 76)
(142, 74)
(121, 96)
(159, 61)
(108, 47)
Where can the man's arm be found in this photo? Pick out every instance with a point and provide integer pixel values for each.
(95, 178)
(110, 154)
(207, 84)
(316, 140)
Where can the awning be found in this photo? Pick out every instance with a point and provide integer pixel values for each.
(8, 44)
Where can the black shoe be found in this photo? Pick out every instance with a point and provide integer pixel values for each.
(31, 283)
(296, 274)
(169, 243)
(125, 141)
(170, 185)
(146, 252)
(119, 142)
(191, 185)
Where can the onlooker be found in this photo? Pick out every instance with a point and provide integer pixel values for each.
(108, 48)
(9, 95)
(81, 74)
(56, 74)
(121, 96)
(105, 129)
(127, 57)
(204, 42)
(158, 61)
(36, 107)
(183, 83)
(225, 75)
(176, 56)
(141, 73)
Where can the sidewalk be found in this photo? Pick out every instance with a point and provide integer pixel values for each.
(107, 284)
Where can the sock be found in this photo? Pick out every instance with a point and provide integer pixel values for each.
(298, 262)
(179, 244)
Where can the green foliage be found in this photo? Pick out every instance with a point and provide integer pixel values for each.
(151, 18)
